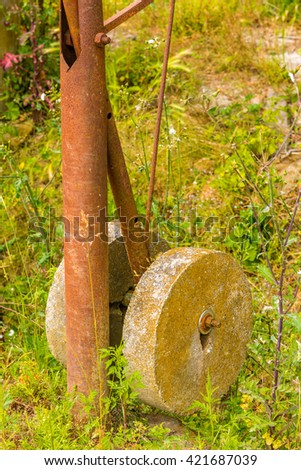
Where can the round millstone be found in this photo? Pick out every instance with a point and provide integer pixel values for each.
(121, 284)
(161, 327)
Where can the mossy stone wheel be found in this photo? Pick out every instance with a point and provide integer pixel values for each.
(162, 326)
(121, 284)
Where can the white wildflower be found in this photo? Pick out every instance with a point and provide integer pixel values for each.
(11, 333)
(291, 76)
(266, 209)
(267, 307)
(43, 96)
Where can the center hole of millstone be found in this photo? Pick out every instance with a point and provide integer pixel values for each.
(206, 324)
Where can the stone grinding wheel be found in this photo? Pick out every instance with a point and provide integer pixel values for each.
(121, 284)
(161, 334)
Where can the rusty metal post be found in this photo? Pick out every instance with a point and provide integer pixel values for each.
(136, 238)
(84, 148)
(71, 11)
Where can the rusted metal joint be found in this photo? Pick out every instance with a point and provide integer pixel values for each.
(207, 322)
(101, 39)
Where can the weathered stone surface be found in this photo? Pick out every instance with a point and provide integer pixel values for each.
(120, 288)
(56, 316)
(161, 334)
(120, 274)
(157, 246)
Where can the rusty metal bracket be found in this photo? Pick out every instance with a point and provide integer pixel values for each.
(101, 39)
(123, 15)
(71, 12)
(136, 241)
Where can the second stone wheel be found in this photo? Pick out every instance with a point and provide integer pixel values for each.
(121, 284)
(168, 330)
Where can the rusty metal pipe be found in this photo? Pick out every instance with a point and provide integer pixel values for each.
(136, 239)
(84, 150)
(71, 11)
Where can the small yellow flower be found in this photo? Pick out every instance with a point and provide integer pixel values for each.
(276, 444)
(245, 402)
(260, 408)
(268, 439)
(244, 406)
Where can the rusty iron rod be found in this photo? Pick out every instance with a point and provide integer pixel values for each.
(84, 149)
(135, 238)
(125, 14)
(71, 10)
(136, 241)
(159, 112)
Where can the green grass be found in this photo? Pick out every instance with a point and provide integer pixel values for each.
(218, 132)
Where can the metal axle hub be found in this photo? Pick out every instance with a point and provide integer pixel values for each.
(207, 322)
